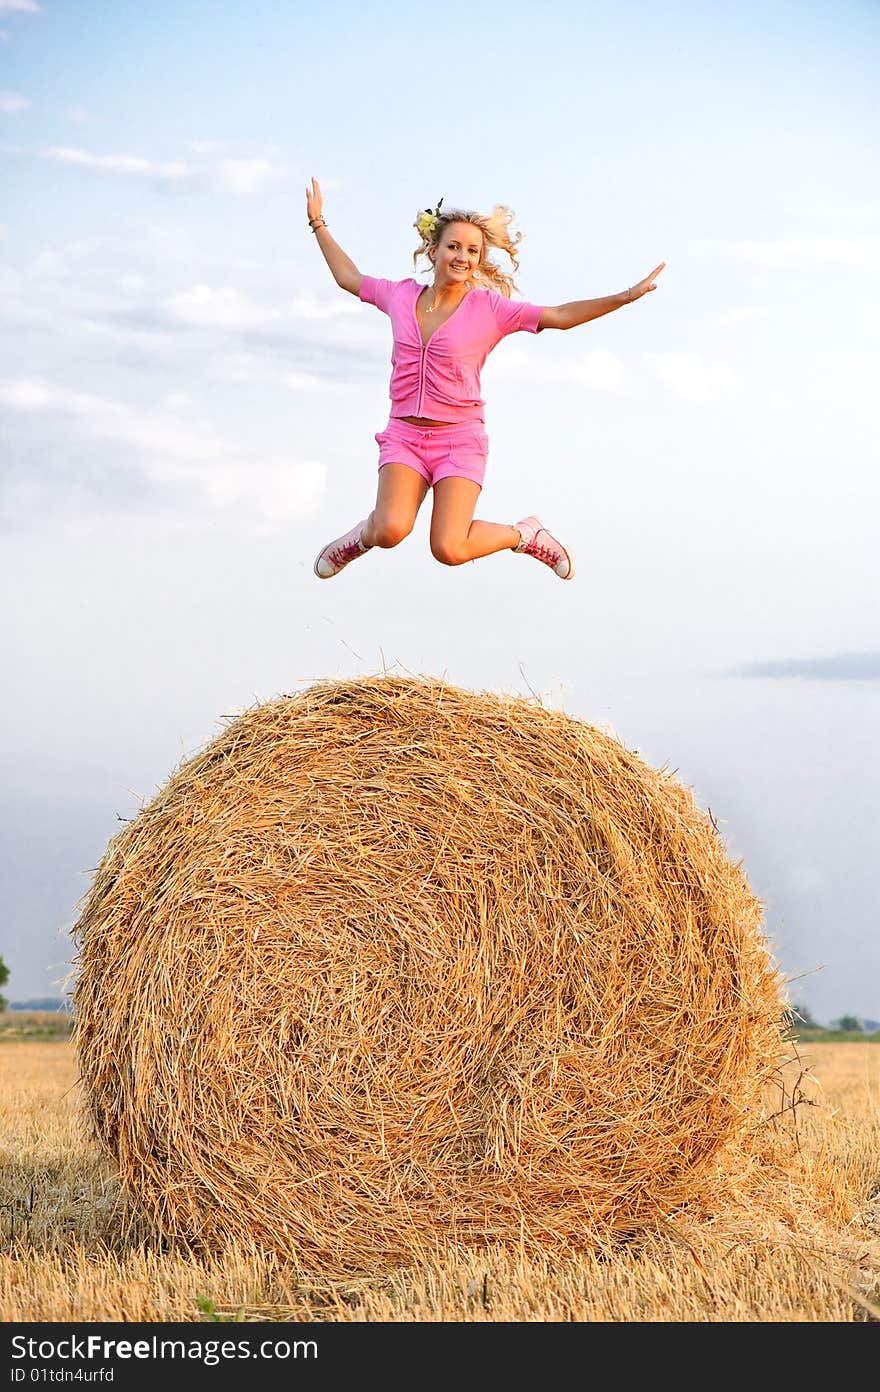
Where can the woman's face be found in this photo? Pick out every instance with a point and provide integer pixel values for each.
(457, 254)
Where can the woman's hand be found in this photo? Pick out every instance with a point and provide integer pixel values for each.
(314, 201)
(342, 268)
(637, 291)
(568, 316)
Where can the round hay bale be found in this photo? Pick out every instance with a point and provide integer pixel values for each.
(391, 964)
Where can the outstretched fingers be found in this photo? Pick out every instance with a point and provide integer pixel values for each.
(649, 282)
(314, 199)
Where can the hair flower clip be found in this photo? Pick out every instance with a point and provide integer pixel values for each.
(426, 222)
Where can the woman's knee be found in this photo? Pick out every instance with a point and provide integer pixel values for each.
(447, 551)
(390, 531)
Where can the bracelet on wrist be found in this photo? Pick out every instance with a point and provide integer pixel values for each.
(315, 223)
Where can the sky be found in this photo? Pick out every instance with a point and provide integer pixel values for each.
(188, 406)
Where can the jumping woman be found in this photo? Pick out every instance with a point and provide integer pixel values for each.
(442, 337)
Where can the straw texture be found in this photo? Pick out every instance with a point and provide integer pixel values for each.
(391, 964)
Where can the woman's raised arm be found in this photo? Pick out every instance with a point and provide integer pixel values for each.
(568, 316)
(342, 268)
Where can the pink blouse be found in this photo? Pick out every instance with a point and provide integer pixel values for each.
(441, 380)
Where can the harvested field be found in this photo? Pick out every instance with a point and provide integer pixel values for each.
(71, 1251)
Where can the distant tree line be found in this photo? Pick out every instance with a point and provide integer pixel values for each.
(800, 1017)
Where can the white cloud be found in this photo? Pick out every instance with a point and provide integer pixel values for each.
(233, 177)
(221, 307)
(327, 305)
(59, 293)
(269, 494)
(11, 102)
(140, 304)
(245, 178)
(224, 307)
(691, 377)
(599, 369)
(148, 432)
(177, 453)
(19, 7)
(261, 369)
(172, 171)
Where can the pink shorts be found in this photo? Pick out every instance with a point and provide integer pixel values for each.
(436, 452)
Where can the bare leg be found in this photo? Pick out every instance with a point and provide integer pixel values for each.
(400, 493)
(455, 536)
(399, 496)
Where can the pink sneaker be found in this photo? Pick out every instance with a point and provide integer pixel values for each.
(337, 554)
(536, 541)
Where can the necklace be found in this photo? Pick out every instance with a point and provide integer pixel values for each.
(429, 309)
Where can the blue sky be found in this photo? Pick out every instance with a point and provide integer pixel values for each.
(188, 404)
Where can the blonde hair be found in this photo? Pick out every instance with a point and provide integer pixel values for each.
(498, 231)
